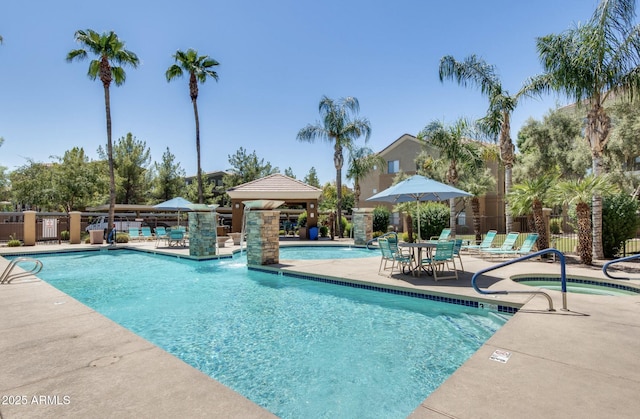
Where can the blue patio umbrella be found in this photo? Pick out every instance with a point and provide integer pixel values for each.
(418, 188)
(175, 204)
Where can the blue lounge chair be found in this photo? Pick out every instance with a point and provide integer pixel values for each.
(507, 245)
(146, 233)
(485, 244)
(176, 238)
(134, 234)
(526, 247)
(161, 234)
(444, 236)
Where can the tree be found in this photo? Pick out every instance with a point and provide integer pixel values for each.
(362, 161)
(245, 168)
(199, 67)
(339, 126)
(529, 197)
(78, 182)
(289, 172)
(478, 185)
(111, 54)
(312, 178)
(32, 186)
(578, 193)
(455, 149)
(4, 180)
(552, 146)
(132, 159)
(589, 64)
(497, 122)
(168, 181)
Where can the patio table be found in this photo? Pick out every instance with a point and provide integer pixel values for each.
(416, 253)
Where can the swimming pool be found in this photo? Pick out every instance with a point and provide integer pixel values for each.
(298, 348)
(326, 252)
(578, 285)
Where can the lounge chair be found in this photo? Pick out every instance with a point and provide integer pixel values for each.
(134, 234)
(161, 234)
(525, 249)
(443, 255)
(146, 233)
(444, 236)
(397, 259)
(507, 245)
(485, 244)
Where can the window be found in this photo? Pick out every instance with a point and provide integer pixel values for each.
(393, 166)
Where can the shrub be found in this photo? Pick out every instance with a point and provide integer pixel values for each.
(381, 217)
(13, 242)
(345, 226)
(302, 219)
(619, 223)
(64, 235)
(433, 218)
(405, 237)
(554, 225)
(377, 234)
(324, 231)
(122, 238)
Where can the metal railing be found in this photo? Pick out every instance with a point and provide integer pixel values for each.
(605, 267)
(7, 276)
(563, 277)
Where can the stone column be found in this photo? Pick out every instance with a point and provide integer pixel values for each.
(263, 246)
(362, 225)
(29, 236)
(202, 233)
(75, 227)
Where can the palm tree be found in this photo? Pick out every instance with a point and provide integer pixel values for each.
(477, 185)
(588, 64)
(580, 193)
(111, 55)
(529, 197)
(199, 68)
(497, 121)
(362, 161)
(455, 149)
(339, 126)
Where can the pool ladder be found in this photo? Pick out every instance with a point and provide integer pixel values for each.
(563, 277)
(605, 267)
(7, 276)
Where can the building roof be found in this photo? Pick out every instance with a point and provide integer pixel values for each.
(400, 140)
(274, 186)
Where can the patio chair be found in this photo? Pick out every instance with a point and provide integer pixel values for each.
(444, 236)
(161, 234)
(397, 259)
(176, 238)
(134, 234)
(443, 255)
(456, 251)
(485, 244)
(525, 249)
(507, 245)
(146, 233)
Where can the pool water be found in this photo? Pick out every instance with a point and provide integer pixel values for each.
(326, 252)
(297, 347)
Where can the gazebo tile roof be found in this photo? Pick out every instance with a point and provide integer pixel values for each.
(274, 183)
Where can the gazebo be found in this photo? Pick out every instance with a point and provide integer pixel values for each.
(274, 187)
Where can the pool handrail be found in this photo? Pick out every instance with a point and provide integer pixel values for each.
(6, 276)
(391, 233)
(563, 277)
(611, 262)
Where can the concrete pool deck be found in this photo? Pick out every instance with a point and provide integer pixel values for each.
(58, 358)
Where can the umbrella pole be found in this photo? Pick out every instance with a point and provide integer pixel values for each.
(418, 215)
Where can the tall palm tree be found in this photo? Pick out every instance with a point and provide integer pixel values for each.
(339, 126)
(588, 64)
(497, 121)
(199, 67)
(454, 148)
(579, 193)
(477, 185)
(111, 55)
(362, 161)
(529, 197)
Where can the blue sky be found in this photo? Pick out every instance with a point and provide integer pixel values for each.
(277, 59)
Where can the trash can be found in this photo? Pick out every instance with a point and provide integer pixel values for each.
(313, 233)
(95, 236)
